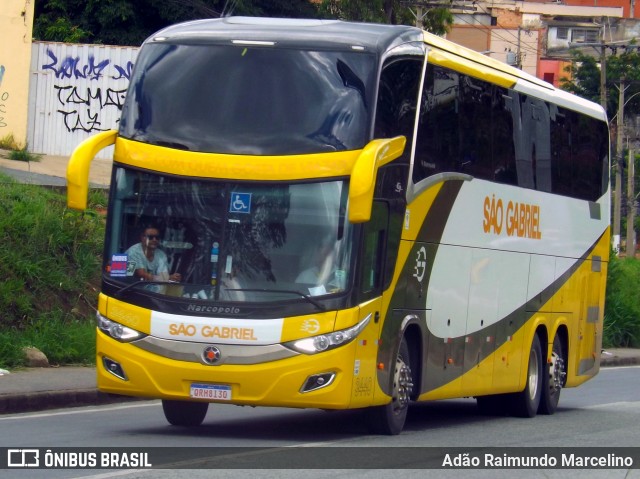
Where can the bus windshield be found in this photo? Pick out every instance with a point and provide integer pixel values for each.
(225, 241)
(249, 100)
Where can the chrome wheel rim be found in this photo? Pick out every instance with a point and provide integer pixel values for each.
(557, 372)
(402, 386)
(533, 374)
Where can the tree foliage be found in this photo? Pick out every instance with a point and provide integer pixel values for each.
(129, 22)
(437, 20)
(584, 79)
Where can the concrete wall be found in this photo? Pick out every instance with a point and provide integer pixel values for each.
(16, 26)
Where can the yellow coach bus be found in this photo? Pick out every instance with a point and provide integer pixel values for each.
(321, 214)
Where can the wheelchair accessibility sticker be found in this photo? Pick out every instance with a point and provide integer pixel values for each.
(240, 203)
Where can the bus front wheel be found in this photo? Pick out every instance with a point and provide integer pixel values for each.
(390, 418)
(525, 403)
(184, 413)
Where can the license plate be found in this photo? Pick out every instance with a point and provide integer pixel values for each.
(218, 392)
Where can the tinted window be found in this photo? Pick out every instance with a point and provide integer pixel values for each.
(242, 100)
(398, 100)
(470, 126)
(438, 142)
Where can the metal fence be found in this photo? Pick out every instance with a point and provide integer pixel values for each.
(75, 91)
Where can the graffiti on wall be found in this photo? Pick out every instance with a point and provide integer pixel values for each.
(71, 67)
(82, 103)
(95, 100)
(4, 96)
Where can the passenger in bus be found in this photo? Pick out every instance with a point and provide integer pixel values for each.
(322, 267)
(149, 261)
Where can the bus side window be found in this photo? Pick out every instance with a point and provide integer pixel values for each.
(586, 136)
(475, 111)
(439, 130)
(561, 163)
(398, 99)
(504, 157)
(372, 252)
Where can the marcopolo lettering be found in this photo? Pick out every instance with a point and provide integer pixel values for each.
(195, 308)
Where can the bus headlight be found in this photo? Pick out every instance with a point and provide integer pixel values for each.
(324, 342)
(116, 330)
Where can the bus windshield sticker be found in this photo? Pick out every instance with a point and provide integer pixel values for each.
(119, 265)
(240, 203)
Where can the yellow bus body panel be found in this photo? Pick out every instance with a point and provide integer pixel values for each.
(237, 167)
(274, 383)
(578, 294)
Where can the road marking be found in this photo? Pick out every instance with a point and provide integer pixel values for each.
(90, 410)
(107, 475)
(620, 404)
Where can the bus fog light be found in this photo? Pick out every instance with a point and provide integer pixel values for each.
(114, 368)
(317, 381)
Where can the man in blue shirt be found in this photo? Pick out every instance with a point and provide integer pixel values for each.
(149, 262)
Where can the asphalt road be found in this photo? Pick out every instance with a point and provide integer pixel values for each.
(605, 412)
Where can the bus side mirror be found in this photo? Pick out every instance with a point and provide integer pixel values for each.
(78, 167)
(363, 176)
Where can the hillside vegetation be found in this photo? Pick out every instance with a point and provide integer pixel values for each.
(50, 259)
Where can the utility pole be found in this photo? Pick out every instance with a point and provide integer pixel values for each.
(603, 73)
(519, 53)
(631, 207)
(419, 16)
(618, 193)
(423, 7)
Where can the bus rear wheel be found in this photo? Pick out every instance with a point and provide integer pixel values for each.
(526, 403)
(184, 413)
(554, 377)
(390, 418)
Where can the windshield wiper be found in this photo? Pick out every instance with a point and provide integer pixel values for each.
(142, 282)
(288, 291)
(247, 290)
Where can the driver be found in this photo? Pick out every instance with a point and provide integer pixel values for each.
(149, 262)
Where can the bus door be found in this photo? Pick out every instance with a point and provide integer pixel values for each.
(370, 283)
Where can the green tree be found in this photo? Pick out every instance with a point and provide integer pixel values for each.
(129, 22)
(584, 80)
(437, 20)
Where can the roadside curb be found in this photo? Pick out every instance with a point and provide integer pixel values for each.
(41, 401)
(613, 357)
(617, 361)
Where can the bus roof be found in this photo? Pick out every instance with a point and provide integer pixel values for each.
(376, 38)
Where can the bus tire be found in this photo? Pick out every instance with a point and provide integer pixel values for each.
(184, 413)
(526, 403)
(554, 379)
(390, 418)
